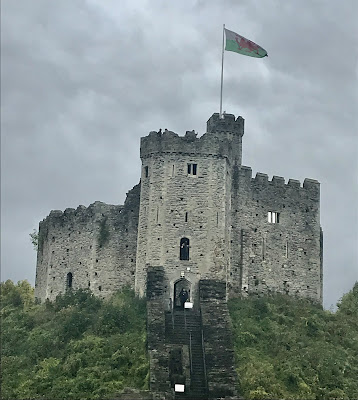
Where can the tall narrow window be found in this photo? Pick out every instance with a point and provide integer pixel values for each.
(184, 248)
(192, 169)
(273, 217)
(173, 170)
(287, 249)
(146, 171)
(186, 217)
(69, 280)
(263, 248)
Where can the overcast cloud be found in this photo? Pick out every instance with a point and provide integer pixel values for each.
(82, 81)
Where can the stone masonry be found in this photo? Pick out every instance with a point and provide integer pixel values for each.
(199, 214)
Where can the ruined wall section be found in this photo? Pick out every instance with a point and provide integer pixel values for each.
(275, 257)
(176, 204)
(97, 245)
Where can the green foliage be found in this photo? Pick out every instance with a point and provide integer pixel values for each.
(34, 237)
(292, 349)
(104, 233)
(78, 347)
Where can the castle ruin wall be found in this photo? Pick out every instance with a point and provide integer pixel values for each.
(94, 247)
(284, 256)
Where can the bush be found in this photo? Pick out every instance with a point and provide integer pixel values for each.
(293, 349)
(77, 347)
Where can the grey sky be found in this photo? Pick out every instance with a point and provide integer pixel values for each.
(82, 81)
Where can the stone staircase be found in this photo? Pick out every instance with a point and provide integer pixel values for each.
(184, 327)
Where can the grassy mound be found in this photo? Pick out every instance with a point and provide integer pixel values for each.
(288, 348)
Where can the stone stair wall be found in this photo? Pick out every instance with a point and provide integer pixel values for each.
(219, 349)
(194, 346)
(159, 384)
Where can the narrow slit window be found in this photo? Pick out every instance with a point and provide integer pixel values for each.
(69, 281)
(263, 248)
(146, 171)
(186, 217)
(192, 169)
(273, 217)
(287, 249)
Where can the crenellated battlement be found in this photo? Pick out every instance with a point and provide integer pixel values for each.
(226, 124)
(260, 178)
(170, 142)
(223, 139)
(80, 214)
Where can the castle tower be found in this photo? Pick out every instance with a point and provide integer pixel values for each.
(185, 202)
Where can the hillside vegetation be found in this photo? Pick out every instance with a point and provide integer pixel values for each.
(79, 347)
(292, 349)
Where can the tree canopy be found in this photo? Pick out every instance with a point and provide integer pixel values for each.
(289, 348)
(78, 347)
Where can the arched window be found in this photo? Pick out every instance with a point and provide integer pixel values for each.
(69, 280)
(184, 248)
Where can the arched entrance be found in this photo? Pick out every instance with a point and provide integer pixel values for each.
(182, 288)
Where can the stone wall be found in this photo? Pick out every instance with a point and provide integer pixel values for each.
(219, 349)
(177, 204)
(97, 245)
(159, 383)
(285, 256)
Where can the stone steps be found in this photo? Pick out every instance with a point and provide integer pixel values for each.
(186, 323)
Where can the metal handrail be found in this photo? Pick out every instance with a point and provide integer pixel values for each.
(191, 359)
(173, 319)
(203, 349)
(204, 361)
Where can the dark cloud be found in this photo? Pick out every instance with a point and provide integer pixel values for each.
(82, 81)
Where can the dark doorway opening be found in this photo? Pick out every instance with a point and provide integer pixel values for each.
(181, 292)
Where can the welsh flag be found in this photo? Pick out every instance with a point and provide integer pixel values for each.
(239, 44)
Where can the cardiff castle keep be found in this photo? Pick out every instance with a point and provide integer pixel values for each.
(196, 231)
(198, 214)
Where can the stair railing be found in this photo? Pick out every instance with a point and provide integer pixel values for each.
(204, 361)
(203, 349)
(173, 319)
(191, 359)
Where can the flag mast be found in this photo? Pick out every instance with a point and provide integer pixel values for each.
(222, 76)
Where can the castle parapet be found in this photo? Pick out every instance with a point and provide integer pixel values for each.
(278, 180)
(170, 142)
(226, 124)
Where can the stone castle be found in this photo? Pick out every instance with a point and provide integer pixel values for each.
(200, 215)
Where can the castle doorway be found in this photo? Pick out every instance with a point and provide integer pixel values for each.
(182, 289)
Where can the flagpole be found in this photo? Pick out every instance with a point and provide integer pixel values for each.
(222, 76)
